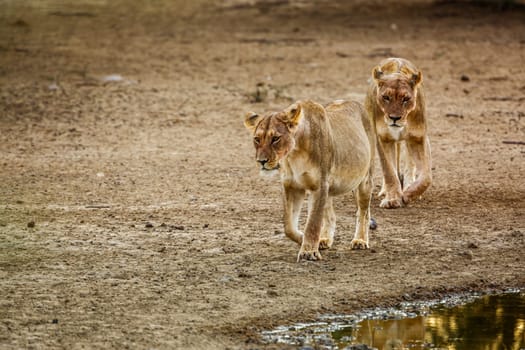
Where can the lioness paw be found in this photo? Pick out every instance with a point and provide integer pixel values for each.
(391, 203)
(325, 243)
(312, 255)
(406, 198)
(358, 244)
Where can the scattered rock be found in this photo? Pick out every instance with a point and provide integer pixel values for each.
(225, 279)
(358, 347)
(31, 224)
(20, 23)
(467, 254)
(472, 245)
(112, 78)
(272, 293)
(465, 78)
(148, 225)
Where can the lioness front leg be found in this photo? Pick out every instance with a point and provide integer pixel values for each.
(310, 246)
(419, 152)
(293, 201)
(391, 183)
(363, 196)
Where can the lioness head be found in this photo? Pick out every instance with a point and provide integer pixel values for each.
(273, 135)
(396, 95)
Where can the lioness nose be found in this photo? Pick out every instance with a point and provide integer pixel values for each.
(262, 161)
(394, 118)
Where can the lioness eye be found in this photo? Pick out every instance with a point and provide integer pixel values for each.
(386, 98)
(256, 140)
(276, 139)
(406, 98)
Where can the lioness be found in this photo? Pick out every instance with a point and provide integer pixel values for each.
(323, 152)
(396, 103)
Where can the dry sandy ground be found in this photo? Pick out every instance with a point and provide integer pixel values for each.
(131, 211)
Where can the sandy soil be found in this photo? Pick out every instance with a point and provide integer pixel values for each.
(131, 211)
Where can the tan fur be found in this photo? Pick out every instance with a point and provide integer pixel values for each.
(396, 103)
(320, 152)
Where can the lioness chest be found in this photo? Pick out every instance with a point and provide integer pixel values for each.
(394, 134)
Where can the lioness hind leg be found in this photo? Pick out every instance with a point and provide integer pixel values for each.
(328, 227)
(363, 196)
(382, 192)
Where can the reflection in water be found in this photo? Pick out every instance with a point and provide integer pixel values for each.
(495, 322)
(491, 322)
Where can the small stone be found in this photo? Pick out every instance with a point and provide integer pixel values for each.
(149, 225)
(271, 293)
(55, 321)
(31, 224)
(373, 224)
(472, 245)
(465, 77)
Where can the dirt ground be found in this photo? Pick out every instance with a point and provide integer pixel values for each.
(132, 214)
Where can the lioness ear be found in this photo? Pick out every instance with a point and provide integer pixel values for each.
(251, 120)
(377, 73)
(416, 79)
(294, 116)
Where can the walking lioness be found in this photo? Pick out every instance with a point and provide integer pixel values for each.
(322, 152)
(396, 103)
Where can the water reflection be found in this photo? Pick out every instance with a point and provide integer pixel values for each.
(492, 322)
(495, 322)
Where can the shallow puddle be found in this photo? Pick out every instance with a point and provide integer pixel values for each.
(457, 323)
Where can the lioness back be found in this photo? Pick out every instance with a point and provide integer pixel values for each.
(361, 124)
